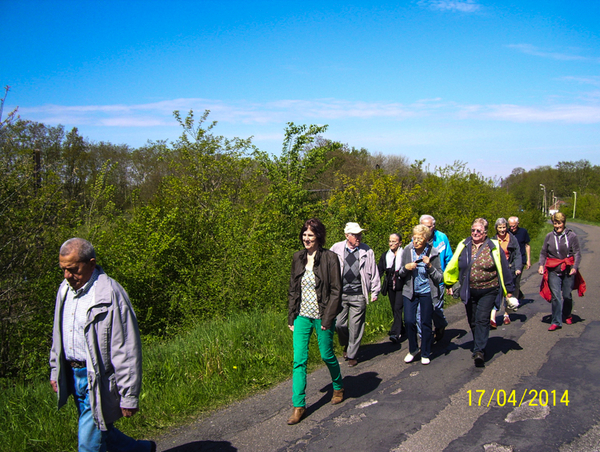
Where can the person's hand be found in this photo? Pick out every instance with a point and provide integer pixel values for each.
(528, 265)
(411, 266)
(573, 271)
(541, 270)
(518, 272)
(291, 327)
(373, 298)
(449, 291)
(323, 328)
(426, 261)
(508, 295)
(54, 385)
(128, 412)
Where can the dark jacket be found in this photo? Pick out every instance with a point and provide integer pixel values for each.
(514, 260)
(328, 281)
(456, 271)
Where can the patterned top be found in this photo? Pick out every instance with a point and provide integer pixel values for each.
(483, 272)
(309, 306)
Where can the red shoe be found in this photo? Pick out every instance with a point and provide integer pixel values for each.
(506, 320)
(554, 327)
(569, 320)
(493, 324)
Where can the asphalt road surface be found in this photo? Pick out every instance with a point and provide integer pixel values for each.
(539, 390)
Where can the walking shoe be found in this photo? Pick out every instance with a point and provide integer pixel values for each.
(409, 358)
(345, 352)
(493, 324)
(425, 361)
(352, 362)
(479, 359)
(506, 320)
(569, 320)
(152, 446)
(296, 415)
(439, 334)
(338, 396)
(554, 327)
(394, 339)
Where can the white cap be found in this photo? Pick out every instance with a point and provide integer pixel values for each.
(352, 228)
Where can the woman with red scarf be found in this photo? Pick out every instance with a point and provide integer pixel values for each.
(559, 264)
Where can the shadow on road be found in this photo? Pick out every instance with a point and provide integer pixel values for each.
(204, 446)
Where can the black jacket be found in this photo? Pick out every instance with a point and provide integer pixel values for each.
(328, 281)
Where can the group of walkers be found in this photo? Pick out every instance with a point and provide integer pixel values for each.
(330, 289)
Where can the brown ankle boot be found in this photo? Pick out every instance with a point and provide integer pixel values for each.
(338, 396)
(296, 415)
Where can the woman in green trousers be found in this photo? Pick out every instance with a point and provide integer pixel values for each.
(314, 299)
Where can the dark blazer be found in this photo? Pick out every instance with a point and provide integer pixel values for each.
(328, 281)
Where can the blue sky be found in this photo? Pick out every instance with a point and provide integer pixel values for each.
(498, 85)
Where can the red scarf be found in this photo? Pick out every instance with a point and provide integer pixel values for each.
(578, 284)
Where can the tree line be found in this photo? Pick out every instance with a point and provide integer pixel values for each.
(205, 226)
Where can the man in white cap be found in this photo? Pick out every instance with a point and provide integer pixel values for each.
(360, 284)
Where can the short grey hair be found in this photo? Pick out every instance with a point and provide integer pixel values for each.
(500, 221)
(84, 249)
(514, 219)
(427, 217)
(481, 221)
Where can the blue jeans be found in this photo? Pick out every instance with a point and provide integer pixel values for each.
(91, 438)
(479, 309)
(303, 327)
(411, 308)
(439, 319)
(561, 286)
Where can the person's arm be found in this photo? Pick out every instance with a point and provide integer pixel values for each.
(126, 351)
(332, 267)
(528, 252)
(544, 254)
(509, 284)
(576, 252)
(375, 279)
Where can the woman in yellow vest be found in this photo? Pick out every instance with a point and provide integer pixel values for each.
(481, 268)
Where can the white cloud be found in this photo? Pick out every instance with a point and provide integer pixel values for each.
(580, 114)
(160, 114)
(590, 80)
(533, 50)
(465, 6)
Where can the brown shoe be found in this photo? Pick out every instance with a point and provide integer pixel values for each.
(338, 396)
(296, 415)
(352, 362)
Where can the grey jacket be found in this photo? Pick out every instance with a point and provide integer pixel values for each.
(434, 273)
(114, 351)
(369, 275)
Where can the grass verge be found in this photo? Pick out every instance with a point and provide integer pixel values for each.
(215, 364)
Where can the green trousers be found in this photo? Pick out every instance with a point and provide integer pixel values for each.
(303, 328)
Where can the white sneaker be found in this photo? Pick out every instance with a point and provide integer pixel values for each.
(409, 358)
(425, 361)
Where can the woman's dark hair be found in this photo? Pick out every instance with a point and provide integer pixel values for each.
(317, 228)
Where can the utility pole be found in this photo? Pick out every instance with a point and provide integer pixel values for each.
(574, 204)
(544, 210)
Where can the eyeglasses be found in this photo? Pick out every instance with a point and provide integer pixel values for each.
(477, 231)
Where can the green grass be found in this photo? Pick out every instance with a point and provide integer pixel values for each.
(215, 364)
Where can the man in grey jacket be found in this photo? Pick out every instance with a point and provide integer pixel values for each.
(360, 283)
(96, 351)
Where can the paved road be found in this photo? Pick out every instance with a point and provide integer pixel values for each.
(393, 406)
